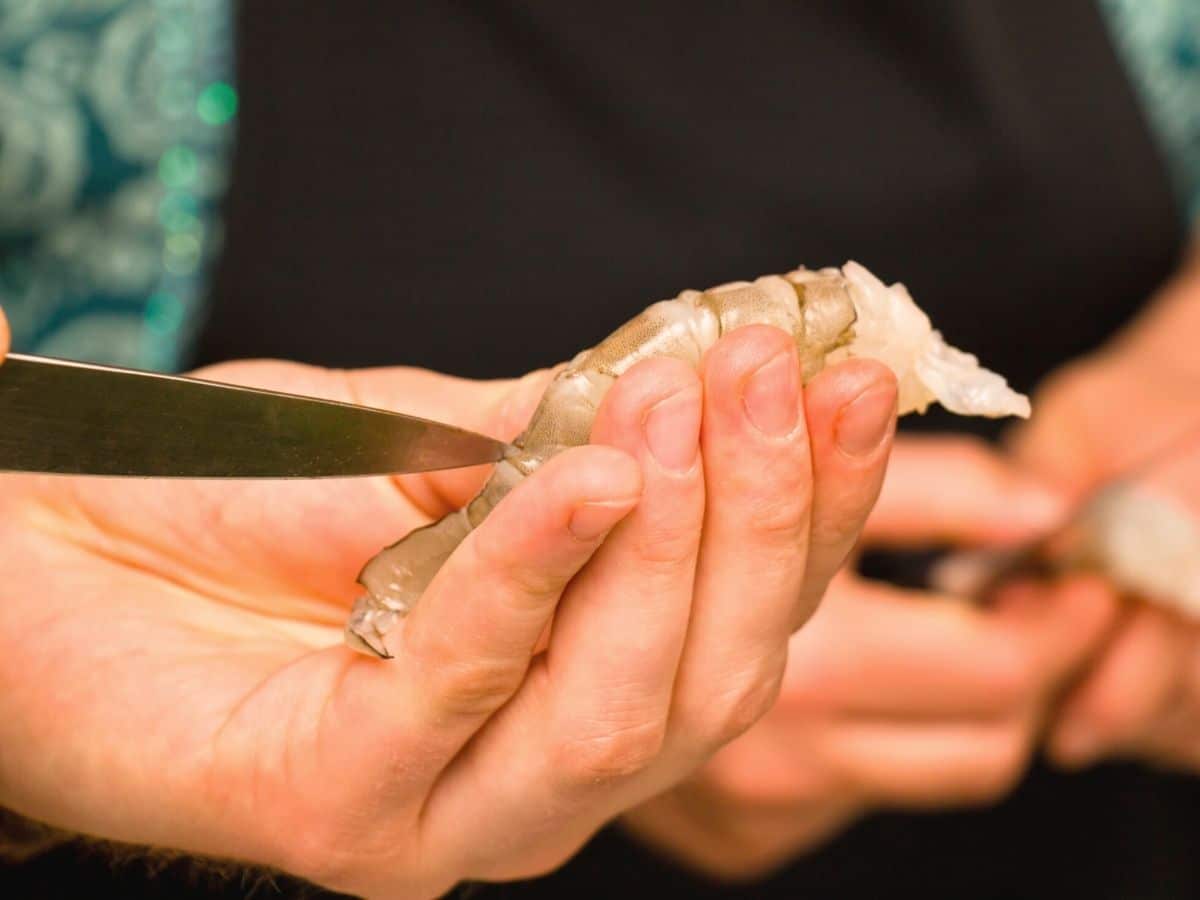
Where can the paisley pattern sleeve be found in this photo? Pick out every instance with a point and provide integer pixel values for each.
(1159, 41)
(115, 120)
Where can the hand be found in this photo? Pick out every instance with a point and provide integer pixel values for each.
(4, 336)
(1096, 419)
(894, 698)
(171, 670)
(1140, 697)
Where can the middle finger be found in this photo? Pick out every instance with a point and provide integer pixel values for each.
(758, 479)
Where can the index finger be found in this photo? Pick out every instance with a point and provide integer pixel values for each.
(875, 651)
(957, 490)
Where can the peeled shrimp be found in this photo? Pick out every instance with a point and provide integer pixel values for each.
(833, 314)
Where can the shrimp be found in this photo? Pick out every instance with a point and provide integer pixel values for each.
(833, 314)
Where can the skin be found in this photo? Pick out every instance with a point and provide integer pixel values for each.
(894, 699)
(951, 714)
(171, 665)
(1118, 408)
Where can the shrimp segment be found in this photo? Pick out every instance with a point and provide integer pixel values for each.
(831, 313)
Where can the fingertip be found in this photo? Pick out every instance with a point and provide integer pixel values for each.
(838, 385)
(639, 390)
(655, 407)
(851, 407)
(593, 475)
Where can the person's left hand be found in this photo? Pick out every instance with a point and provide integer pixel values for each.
(1096, 419)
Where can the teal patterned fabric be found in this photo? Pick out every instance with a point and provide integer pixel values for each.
(115, 126)
(115, 120)
(1160, 42)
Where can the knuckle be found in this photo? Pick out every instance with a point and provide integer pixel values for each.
(476, 687)
(613, 755)
(495, 563)
(736, 709)
(668, 548)
(781, 515)
(474, 684)
(838, 532)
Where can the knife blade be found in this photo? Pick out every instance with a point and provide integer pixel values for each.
(72, 418)
(976, 574)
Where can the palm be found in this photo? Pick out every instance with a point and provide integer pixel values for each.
(223, 611)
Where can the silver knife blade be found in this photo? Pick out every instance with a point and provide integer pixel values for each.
(72, 418)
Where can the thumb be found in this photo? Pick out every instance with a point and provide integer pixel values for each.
(957, 490)
(4, 336)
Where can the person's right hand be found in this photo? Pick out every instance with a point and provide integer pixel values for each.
(894, 698)
(171, 667)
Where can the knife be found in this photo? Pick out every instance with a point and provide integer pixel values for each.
(977, 573)
(72, 418)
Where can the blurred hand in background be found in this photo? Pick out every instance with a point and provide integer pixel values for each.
(896, 698)
(1099, 417)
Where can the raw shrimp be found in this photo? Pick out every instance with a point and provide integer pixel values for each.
(833, 314)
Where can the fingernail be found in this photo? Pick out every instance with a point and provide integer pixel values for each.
(865, 421)
(672, 430)
(771, 396)
(592, 521)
